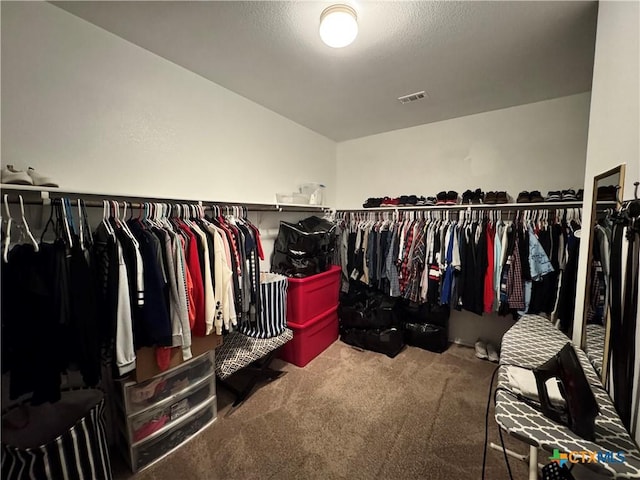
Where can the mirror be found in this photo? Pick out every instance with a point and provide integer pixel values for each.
(607, 197)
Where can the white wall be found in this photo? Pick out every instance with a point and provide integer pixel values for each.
(536, 146)
(614, 124)
(104, 115)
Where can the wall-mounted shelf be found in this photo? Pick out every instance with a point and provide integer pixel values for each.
(483, 206)
(39, 195)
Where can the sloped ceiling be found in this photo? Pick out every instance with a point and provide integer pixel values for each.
(469, 57)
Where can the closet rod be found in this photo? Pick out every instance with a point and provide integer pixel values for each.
(42, 196)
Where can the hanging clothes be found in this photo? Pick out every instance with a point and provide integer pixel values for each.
(475, 263)
(624, 279)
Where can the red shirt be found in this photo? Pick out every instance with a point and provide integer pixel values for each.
(193, 264)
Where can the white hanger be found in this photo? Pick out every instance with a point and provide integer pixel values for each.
(7, 238)
(124, 225)
(105, 218)
(65, 220)
(36, 247)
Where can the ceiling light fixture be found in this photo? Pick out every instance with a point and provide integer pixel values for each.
(338, 26)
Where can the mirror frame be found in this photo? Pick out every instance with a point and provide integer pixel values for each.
(620, 170)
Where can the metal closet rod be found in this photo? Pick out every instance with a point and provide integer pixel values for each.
(44, 197)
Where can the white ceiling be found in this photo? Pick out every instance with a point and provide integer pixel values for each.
(470, 56)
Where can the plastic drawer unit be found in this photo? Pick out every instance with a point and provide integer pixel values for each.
(161, 414)
(144, 454)
(140, 396)
(312, 296)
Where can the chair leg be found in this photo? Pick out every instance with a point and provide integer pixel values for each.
(259, 370)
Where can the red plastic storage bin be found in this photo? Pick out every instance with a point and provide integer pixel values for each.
(311, 339)
(311, 296)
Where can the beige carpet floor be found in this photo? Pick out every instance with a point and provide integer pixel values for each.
(352, 415)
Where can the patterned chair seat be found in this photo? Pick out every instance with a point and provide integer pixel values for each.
(238, 351)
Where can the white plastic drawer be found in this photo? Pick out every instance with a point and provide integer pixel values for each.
(184, 430)
(145, 395)
(152, 422)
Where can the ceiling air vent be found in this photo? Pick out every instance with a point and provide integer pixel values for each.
(412, 97)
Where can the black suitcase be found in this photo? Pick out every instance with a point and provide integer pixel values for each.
(426, 336)
(389, 341)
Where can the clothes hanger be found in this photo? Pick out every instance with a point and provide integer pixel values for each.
(80, 225)
(123, 225)
(85, 221)
(7, 237)
(65, 220)
(36, 247)
(105, 218)
(49, 222)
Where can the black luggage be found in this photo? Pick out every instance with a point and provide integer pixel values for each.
(434, 314)
(389, 341)
(426, 336)
(372, 311)
(304, 248)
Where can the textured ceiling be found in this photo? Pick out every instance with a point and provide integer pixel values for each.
(470, 56)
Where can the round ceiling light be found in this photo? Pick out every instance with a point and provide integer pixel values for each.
(338, 26)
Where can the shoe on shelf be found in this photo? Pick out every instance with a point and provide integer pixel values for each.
(431, 201)
(16, 177)
(535, 196)
(41, 180)
(502, 197)
(372, 203)
(553, 196)
(412, 200)
(524, 197)
(580, 195)
(421, 201)
(386, 202)
(441, 198)
(490, 198)
(477, 197)
(452, 197)
(569, 195)
(466, 197)
(481, 350)
(492, 353)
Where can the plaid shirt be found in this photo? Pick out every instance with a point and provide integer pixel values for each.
(405, 264)
(416, 265)
(515, 285)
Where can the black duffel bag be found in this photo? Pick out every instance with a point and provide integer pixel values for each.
(426, 336)
(389, 341)
(409, 312)
(304, 248)
(372, 311)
